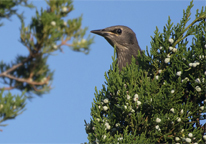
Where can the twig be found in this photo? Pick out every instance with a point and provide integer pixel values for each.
(7, 88)
(15, 67)
(196, 20)
(24, 80)
(64, 42)
(26, 46)
(38, 90)
(163, 135)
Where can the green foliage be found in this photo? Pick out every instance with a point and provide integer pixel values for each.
(11, 106)
(163, 98)
(41, 38)
(7, 8)
(49, 30)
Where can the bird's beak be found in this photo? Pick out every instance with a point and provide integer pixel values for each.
(101, 32)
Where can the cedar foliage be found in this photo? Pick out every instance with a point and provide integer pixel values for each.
(161, 100)
(49, 30)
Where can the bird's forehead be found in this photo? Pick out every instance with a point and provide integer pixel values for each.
(117, 27)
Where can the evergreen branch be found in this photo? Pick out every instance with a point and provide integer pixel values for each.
(64, 42)
(196, 20)
(7, 88)
(25, 80)
(163, 136)
(15, 67)
(24, 43)
(39, 90)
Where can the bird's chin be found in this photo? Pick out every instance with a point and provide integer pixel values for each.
(109, 41)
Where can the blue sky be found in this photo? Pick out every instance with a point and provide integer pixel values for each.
(58, 117)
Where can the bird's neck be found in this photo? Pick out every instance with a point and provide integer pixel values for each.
(125, 57)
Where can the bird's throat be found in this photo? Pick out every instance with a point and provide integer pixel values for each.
(124, 58)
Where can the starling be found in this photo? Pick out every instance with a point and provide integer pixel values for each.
(125, 41)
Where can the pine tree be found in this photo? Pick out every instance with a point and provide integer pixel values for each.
(46, 34)
(161, 100)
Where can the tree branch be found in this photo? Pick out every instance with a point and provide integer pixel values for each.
(15, 67)
(24, 43)
(7, 88)
(64, 42)
(196, 20)
(25, 80)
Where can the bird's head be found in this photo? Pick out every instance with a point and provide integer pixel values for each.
(120, 36)
(125, 41)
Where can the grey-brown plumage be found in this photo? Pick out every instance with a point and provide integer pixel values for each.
(125, 41)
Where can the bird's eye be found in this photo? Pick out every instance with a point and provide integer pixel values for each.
(119, 31)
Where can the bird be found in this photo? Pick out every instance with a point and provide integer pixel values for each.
(124, 40)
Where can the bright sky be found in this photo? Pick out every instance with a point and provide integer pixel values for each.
(58, 117)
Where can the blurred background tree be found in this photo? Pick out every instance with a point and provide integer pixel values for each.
(47, 33)
(161, 100)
